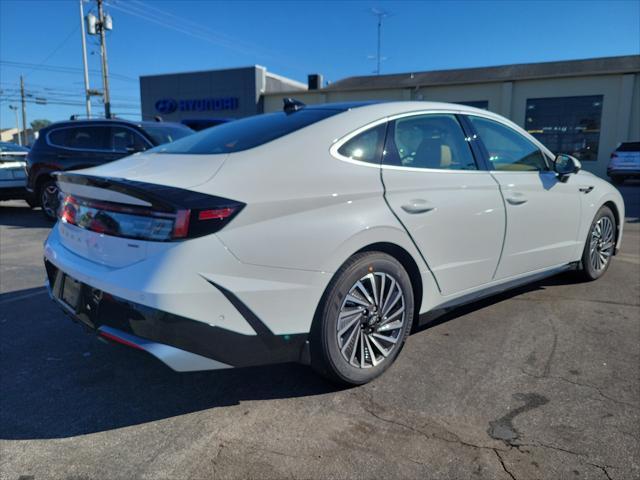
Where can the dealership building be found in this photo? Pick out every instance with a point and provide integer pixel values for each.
(230, 93)
(582, 107)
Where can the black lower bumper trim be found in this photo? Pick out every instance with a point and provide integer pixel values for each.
(96, 308)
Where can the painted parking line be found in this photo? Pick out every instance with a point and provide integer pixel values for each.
(21, 297)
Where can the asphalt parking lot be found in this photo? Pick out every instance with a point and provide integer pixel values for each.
(542, 382)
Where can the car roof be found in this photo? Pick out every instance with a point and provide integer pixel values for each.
(103, 121)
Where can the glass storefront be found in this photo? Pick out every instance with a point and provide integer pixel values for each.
(567, 124)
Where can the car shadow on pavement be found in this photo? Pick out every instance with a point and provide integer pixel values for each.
(438, 317)
(58, 382)
(15, 214)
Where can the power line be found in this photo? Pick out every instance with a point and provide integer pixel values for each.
(195, 30)
(54, 51)
(61, 69)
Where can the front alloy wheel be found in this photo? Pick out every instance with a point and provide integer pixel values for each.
(363, 319)
(600, 245)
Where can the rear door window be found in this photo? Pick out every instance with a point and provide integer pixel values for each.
(81, 138)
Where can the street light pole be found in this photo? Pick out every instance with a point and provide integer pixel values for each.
(84, 62)
(15, 110)
(105, 67)
(24, 113)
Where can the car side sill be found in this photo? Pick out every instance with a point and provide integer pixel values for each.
(431, 315)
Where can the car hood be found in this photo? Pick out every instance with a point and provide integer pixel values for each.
(175, 170)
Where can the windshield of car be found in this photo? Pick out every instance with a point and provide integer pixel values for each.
(163, 133)
(12, 147)
(246, 133)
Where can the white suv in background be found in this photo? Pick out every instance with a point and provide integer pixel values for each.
(319, 234)
(625, 162)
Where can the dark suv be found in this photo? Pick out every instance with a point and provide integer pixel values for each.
(79, 144)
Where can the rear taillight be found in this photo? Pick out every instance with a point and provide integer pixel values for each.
(145, 223)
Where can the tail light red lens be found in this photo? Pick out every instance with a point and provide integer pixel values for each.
(144, 223)
(219, 214)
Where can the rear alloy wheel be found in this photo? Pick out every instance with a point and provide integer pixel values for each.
(364, 321)
(49, 199)
(600, 245)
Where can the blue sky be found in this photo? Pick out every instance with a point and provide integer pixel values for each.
(292, 39)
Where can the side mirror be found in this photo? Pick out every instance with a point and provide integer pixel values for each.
(564, 165)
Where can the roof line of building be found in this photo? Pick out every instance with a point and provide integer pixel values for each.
(501, 73)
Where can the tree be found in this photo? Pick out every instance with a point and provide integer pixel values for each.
(39, 123)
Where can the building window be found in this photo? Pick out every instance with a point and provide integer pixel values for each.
(566, 124)
(483, 104)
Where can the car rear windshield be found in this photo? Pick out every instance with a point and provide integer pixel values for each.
(167, 133)
(629, 147)
(246, 133)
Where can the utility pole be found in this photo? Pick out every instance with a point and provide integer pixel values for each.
(24, 113)
(102, 26)
(84, 62)
(15, 110)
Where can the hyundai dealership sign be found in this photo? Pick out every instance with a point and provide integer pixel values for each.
(170, 105)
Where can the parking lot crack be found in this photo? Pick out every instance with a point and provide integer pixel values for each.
(580, 384)
(603, 468)
(504, 467)
(371, 410)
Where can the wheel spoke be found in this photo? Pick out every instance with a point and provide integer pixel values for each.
(391, 326)
(348, 342)
(364, 292)
(355, 321)
(389, 293)
(384, 337)
(374, 288)
(357, 301)
(392, 303)
(381, 349)
(372, 354)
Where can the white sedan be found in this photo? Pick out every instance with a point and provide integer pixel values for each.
(320, 234)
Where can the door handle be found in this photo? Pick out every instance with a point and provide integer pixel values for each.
(586, 189)
(516, 199)
(417, 206)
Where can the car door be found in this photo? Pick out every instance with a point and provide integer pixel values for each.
(543, 212)
(452, 209)
(82, 146)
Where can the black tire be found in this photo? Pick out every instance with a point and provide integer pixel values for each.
(592, 267)
(326, 353)
(617, 180)
(32, 201)
(49, 201)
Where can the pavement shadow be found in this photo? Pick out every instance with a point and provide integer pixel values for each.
(438, 317)
(14, 214)
(57, 381)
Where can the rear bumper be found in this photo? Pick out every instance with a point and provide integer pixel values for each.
(181, 343)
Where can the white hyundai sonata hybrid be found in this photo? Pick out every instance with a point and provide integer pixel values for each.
(320, 234)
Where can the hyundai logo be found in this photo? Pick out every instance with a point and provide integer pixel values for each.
(166, 105)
